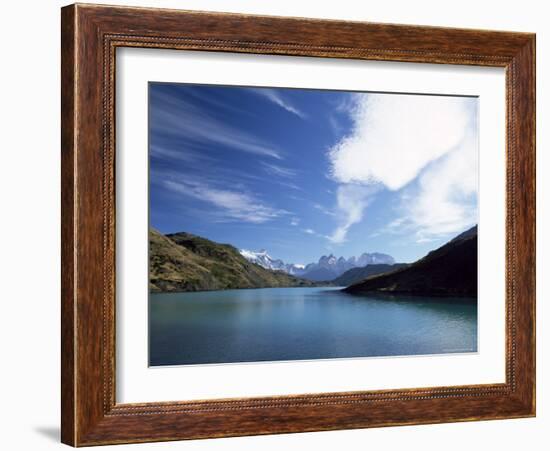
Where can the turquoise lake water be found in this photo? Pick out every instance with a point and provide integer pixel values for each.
(274, 324)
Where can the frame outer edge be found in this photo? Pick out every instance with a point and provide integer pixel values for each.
(86, 419)
(68, 226)
(534, 225)
(524, 63)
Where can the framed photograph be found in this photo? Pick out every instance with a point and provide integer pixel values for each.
(278, 225)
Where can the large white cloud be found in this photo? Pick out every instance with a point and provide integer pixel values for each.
(444, 200)
(396, 139)
(395, 136)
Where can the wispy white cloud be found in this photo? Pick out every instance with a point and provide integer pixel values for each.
(398, 139)
(289, 185)
(345, 103)
(184, 153)
(295, 222)
(335, 124)
(351, 203)
(275, 96)
(278, 170)
(232, 205)
(182, 120)
(205, 97)
(310, 231)
(324, 210)
(281, 175)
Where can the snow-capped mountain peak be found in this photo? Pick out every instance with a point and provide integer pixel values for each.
(328, 265)
(263, 259)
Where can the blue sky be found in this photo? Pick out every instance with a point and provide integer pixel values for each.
(303, 173)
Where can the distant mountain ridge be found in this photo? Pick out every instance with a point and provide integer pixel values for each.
(450, 270)
(186, 262)
(327, 268)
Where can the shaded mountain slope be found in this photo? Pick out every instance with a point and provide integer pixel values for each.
(185, 262)
(355, 275)
(450, 270)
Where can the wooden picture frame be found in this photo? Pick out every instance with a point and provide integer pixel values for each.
(90, 36)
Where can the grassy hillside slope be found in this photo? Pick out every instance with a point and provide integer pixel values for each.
(186, 262)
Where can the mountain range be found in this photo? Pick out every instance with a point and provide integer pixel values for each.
(327, 268)
(186, 262)
(450, 270)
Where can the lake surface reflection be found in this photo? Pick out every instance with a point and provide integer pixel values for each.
(273, 324)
